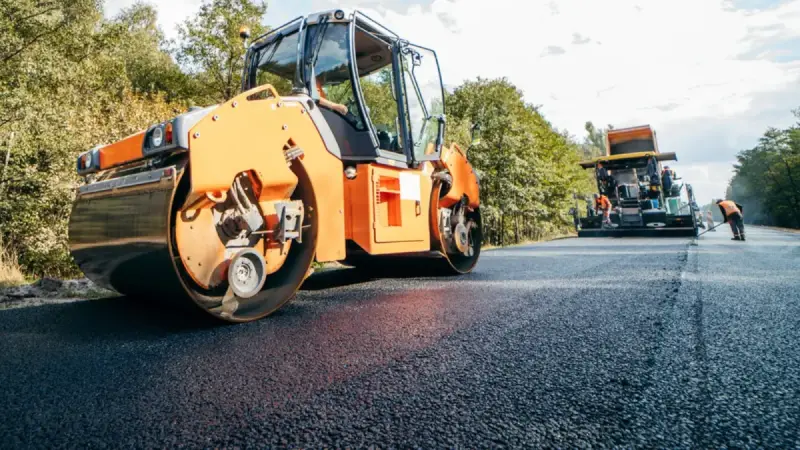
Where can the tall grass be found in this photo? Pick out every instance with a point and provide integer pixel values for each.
(10, 271)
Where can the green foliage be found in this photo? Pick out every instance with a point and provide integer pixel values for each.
(134, 40)
(210, 47)
(528, 170)
(66, 87)
(766, 179)
(378, 94)
(594, 144)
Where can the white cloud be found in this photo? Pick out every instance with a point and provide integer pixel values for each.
(682, 66)
(171, 13)
(700, 72)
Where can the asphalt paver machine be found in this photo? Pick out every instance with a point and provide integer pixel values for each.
(646, 196)
(225, 208)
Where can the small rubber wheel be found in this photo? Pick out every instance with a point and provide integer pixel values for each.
(247, 273)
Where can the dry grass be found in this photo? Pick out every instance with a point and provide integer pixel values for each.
(10, 272)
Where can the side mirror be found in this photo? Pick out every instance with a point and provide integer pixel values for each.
(475, 135)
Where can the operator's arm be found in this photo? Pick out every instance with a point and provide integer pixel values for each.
(741, 208)
(338, 107)
(724, 216)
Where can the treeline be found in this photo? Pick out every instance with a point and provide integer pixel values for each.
(71, 79)
(528, 169)
(766, 179)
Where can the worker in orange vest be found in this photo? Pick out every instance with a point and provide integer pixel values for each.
(732, 213)
(601, 203)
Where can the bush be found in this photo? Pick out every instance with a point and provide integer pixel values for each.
(10, 272)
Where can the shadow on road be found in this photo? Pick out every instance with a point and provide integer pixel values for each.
(126, 318)
(336, 278)
(395, 268)
(111, 318)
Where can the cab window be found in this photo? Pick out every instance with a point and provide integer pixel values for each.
(378, 91)
(327, 49)
(374, 61)
(422, 85)
(276, 64)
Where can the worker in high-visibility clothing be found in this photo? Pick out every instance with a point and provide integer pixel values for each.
(732, 213)
(601, 203)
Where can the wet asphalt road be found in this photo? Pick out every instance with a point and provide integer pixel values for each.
(571, 343)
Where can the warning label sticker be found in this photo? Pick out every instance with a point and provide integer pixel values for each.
(409, 186)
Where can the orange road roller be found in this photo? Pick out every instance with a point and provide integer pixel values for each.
(333, 151)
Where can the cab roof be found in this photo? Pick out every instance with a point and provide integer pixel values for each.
(330, 16)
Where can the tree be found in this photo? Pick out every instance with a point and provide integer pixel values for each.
(528, 170)
(66, 88)
(134, 40)
(767, 178)
(594, 144)
(210, 47)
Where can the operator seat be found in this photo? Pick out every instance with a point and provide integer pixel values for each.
(384, 139)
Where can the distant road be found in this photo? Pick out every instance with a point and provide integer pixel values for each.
(571, 343)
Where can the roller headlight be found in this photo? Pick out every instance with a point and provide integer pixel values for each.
(85, 161)
(89, 162)
(157, 137)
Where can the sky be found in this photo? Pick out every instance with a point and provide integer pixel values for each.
(708, 75)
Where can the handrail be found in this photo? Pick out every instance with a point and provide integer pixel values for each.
(275, 30)
(375, 24)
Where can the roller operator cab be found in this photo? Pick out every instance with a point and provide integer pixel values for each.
(334, 151)
(647, 197)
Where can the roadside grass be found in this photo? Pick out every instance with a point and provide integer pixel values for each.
(10, 271)
(788, 230)
(554, 237)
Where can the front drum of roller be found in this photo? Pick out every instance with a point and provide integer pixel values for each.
(125, 240)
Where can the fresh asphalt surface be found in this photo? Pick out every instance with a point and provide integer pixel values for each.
(572, 343)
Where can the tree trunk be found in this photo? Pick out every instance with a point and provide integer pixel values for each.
(5, 165)
(502, 229)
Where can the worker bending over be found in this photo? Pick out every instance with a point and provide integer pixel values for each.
(601, 203)
(732, 213)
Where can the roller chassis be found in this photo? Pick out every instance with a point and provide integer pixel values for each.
(228, 217)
